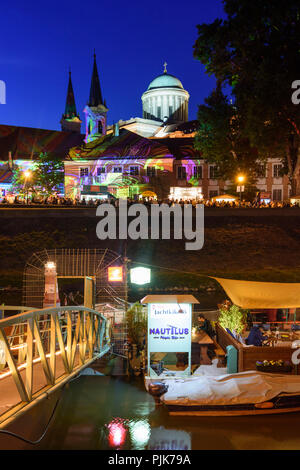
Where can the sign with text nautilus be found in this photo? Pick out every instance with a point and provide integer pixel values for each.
(169, 329)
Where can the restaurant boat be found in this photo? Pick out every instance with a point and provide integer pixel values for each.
(241, 391)
(244, 393)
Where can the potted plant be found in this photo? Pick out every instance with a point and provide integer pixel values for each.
(136, 323)
(232, 317)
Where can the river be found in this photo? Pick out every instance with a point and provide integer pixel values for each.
(98, 412)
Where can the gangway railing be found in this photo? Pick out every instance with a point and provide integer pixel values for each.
(40, 350)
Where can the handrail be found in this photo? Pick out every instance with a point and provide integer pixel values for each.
(35, 312)
(53, 343)
(16, 307)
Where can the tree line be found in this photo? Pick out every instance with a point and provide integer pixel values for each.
(250, 116)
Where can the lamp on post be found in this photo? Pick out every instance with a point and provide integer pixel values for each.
(241, 179)
(27, 175)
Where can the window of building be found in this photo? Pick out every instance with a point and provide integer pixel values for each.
(117, 169)
(213, 172)
(84, 172)
(181, 172)
(159, 112)
(151, 171)
(198, 172)
(170, 110)
(213, 193)
(277, 194)
(100, 170)
(277, 171)
(261, 171)
(100, 127)
(134, 170)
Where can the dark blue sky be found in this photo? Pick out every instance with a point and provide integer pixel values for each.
(132, 39)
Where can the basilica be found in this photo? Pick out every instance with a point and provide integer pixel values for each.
(148, 156)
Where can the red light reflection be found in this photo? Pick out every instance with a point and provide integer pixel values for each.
(117, 433)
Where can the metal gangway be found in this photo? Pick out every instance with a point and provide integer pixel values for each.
(41, 350)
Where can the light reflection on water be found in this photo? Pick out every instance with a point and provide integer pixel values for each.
(102, 412)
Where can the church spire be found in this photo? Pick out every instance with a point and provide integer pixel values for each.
(70, 109)
(96, 109)
(70, 119)
(95, 91)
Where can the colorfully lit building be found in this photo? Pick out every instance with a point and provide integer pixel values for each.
(21, 146)
(152, 155)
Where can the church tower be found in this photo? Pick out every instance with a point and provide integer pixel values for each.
(96, 110)
(70, 120)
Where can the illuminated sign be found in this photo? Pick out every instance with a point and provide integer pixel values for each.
(115, 274)
(169, 330)
(140, 275)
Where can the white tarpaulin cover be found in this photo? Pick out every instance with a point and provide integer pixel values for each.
(229, 389)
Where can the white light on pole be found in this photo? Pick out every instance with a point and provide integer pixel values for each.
(140, 276)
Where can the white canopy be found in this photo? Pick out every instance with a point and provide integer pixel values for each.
(169, 299)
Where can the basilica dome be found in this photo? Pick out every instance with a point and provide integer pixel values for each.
(165, 80)
(165, 100)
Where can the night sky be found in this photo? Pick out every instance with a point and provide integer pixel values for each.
(132, 39)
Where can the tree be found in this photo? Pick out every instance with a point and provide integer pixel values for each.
(45, 176)
(221, 140)
(49, 172)
(256, 51)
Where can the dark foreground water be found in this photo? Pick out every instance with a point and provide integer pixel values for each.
(104, 412)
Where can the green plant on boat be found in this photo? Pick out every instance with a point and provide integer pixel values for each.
(136, 322)
(232, 317)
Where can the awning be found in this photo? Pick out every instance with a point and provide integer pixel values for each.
(169, 299)
(148, 194)
(256, 295)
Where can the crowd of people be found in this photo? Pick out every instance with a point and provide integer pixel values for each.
(57, 200)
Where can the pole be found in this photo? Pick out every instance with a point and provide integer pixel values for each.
(125, 274)
(126, 301)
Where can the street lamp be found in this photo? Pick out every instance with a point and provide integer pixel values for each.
(241, 179)
(27, 175)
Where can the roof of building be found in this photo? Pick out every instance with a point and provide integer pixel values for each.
(165, 80)
(183, 129)
(129, 144)
(26, 143)
(6, 176)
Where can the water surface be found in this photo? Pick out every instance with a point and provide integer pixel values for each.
(106, 412)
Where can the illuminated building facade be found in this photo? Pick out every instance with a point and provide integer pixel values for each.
(165, 108)
(149, 155)
(20, 147)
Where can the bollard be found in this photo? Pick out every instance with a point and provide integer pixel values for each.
(232, 360)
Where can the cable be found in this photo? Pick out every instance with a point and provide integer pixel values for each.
(28, 441)
(170, 269)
